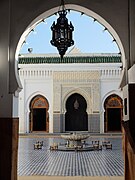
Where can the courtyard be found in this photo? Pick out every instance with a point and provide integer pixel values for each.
(43, 162)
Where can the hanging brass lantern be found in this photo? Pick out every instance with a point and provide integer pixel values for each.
(62, 32)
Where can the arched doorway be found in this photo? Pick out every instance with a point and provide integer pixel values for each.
(39, 116)
(76, 117)
(113, 113)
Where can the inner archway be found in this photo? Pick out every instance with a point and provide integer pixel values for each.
(113, 113)
(76, 117)
(83, 10)
(39, 117)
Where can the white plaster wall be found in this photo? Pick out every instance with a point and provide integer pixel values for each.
(38, 79)
(21, 110)
(110, 78)
(32, 87)
(108, 86)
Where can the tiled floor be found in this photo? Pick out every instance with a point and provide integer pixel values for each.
(57, 163)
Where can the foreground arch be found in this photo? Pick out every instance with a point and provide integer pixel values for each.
(15, 17)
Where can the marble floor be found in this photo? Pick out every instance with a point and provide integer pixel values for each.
(44, 162)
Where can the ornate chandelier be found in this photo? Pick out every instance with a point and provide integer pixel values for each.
(62, 32)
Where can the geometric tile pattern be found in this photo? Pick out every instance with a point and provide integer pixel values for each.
(58, 163)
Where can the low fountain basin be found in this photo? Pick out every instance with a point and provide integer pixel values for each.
(75, 137)
(75, 142)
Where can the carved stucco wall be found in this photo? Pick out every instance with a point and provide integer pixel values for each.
(85, 83)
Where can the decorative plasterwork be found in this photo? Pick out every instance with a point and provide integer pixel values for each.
(96, 97)
(113, 101)
(39, 102)
(56, 97)
(76, 76)
(84, 83)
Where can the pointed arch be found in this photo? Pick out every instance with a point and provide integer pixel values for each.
(76, 117)
(39, 116)
(78, 8)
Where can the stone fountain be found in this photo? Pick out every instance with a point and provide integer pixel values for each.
(75, 141)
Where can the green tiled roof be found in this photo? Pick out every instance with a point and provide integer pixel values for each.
(66, 59)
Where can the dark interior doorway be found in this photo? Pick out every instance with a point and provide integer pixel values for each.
(114, 119)
(39, 115)
(39, 119)
(76, 117)
(113, 113)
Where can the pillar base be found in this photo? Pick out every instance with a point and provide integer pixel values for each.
(8, 148)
